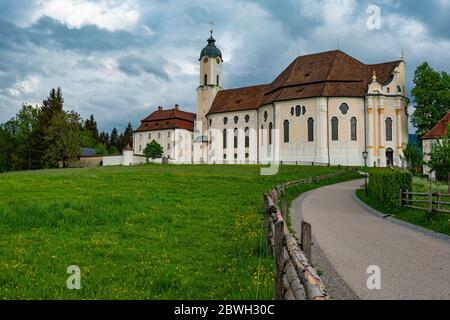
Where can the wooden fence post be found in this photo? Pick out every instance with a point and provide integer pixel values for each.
(305, 239)
(401, 198)
(283, 208)
(438, 202)
(269, 234)
(430, 201)
(279, 259)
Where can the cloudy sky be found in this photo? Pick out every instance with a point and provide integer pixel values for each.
(120, 59)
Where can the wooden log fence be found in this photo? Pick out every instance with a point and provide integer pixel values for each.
(432, 201)
(295, 278)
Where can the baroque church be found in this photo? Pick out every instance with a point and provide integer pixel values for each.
(324, 108)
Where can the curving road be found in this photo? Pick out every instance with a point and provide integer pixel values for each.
(348, 239)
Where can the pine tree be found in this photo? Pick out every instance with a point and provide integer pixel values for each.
(114, 141)
(51, 107)
(128, 135)
(104, 138)
(90, 125)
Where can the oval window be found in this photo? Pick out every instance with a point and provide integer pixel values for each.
(225, 120)
(344, 108)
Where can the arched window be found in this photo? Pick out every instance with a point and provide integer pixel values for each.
(247, 118)
(388, 129)
(205, 80)
(210, 122)
(247, 137)
(236, 119)
(298, 111)
(270, 133)
(334, 129)
(217, 80)
(388, 90)
(310, 130)
(235, 138)
(225, 121)
(265, 116)
(292, 111)
(354, 128)
(303, 110)
(399, 89)
(286, 131)
(224, 138)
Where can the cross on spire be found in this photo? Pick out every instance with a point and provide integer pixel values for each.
(211, 27)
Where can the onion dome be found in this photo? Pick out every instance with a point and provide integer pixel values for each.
(211, 51)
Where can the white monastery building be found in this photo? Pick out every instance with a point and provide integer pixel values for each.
(439, 131)
(326, 108)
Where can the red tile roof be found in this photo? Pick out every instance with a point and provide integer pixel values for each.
(327, 74)
(439, 130)
(167, 119)
(246, 98)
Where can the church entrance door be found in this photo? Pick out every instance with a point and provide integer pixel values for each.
(389, 157)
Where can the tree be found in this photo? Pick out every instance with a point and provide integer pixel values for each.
(102, 149)
(90, 125)
(153, 151)
(51, 107)
(63, 139)
(26, 123)
(440, 157)
(413, 158)
(7, 149)
(431, 95)
(128, 136)
(114, 140)
(104, 138)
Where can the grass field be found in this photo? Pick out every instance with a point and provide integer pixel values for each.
(432, 221)
(146, 232)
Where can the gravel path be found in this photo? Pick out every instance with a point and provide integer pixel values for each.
(348, 239)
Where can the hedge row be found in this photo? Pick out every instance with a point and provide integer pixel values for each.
(385, 184)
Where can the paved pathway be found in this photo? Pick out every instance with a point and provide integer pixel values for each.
(413, 265)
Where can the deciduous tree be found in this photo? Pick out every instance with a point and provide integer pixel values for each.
(431, 95)
(153, 151)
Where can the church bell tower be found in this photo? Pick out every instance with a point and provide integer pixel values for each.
(210, 80)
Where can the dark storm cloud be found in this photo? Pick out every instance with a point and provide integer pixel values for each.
(50, 33)
(122, 71)
(134, 65)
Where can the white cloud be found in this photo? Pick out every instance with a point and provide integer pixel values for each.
(24, 86)
(107, 14)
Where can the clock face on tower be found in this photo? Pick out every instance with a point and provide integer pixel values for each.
(205, 60)
(218, 60)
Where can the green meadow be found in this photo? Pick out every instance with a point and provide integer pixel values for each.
(144, 232)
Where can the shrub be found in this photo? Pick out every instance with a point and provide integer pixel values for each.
(385, 184)
(413, 158)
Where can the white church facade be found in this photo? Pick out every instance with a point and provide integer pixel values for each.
(326, 108)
